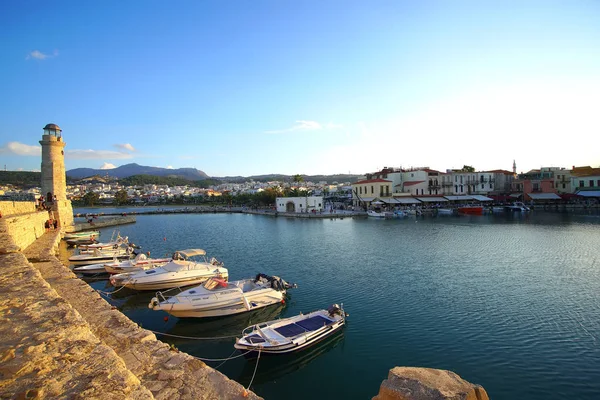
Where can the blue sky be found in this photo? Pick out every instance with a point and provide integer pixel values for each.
(309, 87)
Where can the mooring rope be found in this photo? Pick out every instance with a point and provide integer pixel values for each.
(109, 293)
(192, 337)
(222, 359)
(255, 368)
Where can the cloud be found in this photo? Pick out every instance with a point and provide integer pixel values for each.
(96, 154)
(170, 167)
(108, 166)
(303, 125)
(38, 55)
(20, 149)
(125, 146)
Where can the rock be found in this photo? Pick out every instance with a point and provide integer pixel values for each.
(410, 383)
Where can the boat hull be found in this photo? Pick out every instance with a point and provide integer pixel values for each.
(166, 283)
(471, 210)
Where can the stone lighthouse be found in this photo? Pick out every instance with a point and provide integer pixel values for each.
(54, 178)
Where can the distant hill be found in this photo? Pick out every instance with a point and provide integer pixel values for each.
(340, 178)
(21, 178)
(124, 171)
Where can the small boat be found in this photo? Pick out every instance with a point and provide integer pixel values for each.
(80, 242)
(217, 297)
(375, 214)
(445, 211)
(90, 269)
(102, 256)
(517, 206)
(471, 210)
(81, 235)
(140, 262)
(188, 267)
(497, 209)
(400, 214)
(108, 245)
(287, 335)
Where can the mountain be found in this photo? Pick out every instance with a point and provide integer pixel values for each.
(340, 178)
(124, 171)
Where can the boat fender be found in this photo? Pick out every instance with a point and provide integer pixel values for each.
(153, 303)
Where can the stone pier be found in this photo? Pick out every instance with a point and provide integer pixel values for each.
(60, 339)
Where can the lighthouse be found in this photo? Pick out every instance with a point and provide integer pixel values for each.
(54, 178)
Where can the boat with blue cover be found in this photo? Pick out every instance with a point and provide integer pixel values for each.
(286, 335)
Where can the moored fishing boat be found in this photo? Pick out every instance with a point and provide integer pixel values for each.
(81, 235)
(97, 256)
(140, 262)
(217, 297)
(471, 210)
(188, 267)
(287, 335)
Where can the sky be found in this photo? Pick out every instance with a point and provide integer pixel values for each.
(302, 87)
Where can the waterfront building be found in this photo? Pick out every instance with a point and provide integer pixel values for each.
(299, 204)
(536, 184)
(585, 181)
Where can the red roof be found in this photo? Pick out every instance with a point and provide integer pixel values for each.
(412, 183)
(370, 181)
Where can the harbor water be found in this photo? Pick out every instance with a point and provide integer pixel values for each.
(509, 302)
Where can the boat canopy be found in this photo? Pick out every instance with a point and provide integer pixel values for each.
(191, 252)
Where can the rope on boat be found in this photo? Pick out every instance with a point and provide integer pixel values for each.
(191, 337)
(220, 365)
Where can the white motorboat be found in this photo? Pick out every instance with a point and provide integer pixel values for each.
(102, 256)
(376, 214)
(445, 211)
(517, 206)
(90, 269)
(287, 335)
(498, 209)
(217, 297)
(140, 262)
(188, 267)
(400, 214)
(81, 235)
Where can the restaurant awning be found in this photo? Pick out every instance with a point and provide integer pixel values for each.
(479, 197)
(458, 198)
(590, 193)
(432, 199)
(544, 196)
(367, 199)
(516, 195)
(406, 200)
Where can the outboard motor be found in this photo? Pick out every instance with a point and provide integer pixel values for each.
(334, 309)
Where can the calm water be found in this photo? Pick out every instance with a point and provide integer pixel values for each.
(511, 303)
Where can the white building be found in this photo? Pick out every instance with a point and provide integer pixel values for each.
(299, 204)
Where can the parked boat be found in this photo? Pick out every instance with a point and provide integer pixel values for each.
(217, 297)
(81, 242)
(517, 206)
(445, 211)
(81, 235)
(90, 269)
(107, 245)
(471, 210)
(498, 209)
(97, 256)
(140, 262)
(375, 214)
(188, 267)
(287, 335)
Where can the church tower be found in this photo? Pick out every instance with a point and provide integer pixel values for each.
(514, 168)
(54, 178)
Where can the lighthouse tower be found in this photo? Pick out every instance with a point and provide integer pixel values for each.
(54, 178)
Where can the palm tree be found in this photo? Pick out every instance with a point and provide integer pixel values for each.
(298, 178)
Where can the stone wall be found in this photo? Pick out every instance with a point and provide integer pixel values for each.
(19, 231)
(8, 208)
(410, 383)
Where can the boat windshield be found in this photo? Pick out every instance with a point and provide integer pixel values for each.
(213, 283)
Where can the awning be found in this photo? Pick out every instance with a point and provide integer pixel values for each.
(403, 200)
(590, 193)
(458, 198)
(516, 195)
(479, 197)
(544, 196)
(367, 199)
(432, 199)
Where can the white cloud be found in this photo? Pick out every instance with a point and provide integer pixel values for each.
(21, 149)
(38, 55)
(125, 146)
(170, 167)
(96, 154)
(303, 125)
(108, 166)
